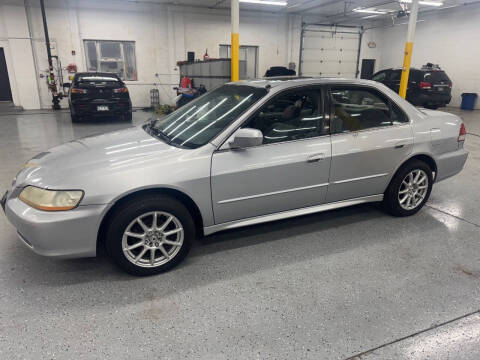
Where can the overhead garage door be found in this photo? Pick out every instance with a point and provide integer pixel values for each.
(329, 51)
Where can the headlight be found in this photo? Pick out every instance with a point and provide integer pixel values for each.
(50, 200)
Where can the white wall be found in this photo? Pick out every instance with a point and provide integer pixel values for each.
(15, 39)
(162, 34)
(450, 38)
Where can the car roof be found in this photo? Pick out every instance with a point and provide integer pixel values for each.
(289, 81)
(413, 68)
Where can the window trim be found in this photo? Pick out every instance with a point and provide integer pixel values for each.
(321, 99)
(390, 102)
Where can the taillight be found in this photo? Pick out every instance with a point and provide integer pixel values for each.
(450, 84)
(120, 90)
(462, 134)
(425, 85)
(78, 91)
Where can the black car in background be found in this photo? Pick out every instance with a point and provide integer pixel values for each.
(429, 86)
(98, 94)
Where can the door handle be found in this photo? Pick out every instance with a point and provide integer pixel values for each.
(400, 144)
(315, 157)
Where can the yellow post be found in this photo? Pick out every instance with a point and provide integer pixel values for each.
(406, 69)
(235, 46)
(407, 58)
(235, 57)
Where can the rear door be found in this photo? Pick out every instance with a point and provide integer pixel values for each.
(371, 136)
(289, 170)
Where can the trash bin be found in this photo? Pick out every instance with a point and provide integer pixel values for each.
(468, 101)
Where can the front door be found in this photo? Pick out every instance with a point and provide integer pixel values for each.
(289, 170)
(371, 136)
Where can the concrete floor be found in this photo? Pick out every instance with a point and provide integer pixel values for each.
(352, 283)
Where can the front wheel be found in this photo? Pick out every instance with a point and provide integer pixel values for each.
(409, 189)
(150, 235)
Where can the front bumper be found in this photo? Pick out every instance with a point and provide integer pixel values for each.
(64, 234)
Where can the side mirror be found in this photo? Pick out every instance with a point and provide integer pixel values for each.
(246, 137)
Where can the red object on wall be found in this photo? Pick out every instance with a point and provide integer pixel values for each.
(72, 68)
(186, 82)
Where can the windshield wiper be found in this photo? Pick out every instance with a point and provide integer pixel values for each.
(152, 130)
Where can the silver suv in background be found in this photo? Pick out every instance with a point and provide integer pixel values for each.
(246, 153)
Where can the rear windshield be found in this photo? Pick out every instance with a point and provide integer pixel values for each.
(435, 76)
(91, 78)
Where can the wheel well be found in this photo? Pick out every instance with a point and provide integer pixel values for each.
(180, 196)
(422, 157)
(426, 159)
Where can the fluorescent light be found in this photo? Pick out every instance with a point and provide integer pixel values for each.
(370, 11)
(427, 3)
(265, 2)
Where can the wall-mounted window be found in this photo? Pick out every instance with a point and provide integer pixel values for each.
(109, 56)
(247, 53)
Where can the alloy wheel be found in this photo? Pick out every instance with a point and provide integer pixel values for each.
(413, 189)
(153, 239)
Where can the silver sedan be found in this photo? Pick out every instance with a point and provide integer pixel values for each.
(245, 153)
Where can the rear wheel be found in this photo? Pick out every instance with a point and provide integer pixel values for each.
(75, 118)
(410, 189)
(150, 235)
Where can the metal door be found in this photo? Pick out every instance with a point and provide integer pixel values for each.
(5, 90)
(329, 51)
(368, 66)
(270, 178)
(363, 161)
(273, 177)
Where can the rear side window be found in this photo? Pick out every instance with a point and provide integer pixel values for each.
(435, 76)
(359, 108)
(395, 75)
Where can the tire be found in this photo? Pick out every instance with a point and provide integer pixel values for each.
(75, 118)
(400, 183)
(167, 209)
(127, 117)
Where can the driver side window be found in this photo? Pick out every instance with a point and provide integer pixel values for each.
(290, 116)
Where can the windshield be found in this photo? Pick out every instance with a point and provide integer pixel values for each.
(198, 122)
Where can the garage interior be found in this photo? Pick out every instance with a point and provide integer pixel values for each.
(352, 283)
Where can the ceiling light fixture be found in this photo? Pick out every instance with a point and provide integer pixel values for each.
(370, 11)
(427, 3)
(266, 2)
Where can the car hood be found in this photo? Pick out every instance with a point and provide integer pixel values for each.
(66, 164)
